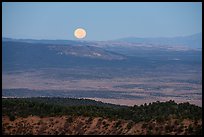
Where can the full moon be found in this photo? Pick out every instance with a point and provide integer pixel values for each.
(80, 33)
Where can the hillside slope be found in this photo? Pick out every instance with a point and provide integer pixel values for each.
(80, 125)
(43, 116)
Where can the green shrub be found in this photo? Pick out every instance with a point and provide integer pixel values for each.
(129, 125)
(12, 117)
(117, 123)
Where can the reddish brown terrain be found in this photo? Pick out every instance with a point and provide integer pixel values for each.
(80, 125)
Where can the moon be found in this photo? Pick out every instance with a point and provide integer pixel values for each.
(80, 33)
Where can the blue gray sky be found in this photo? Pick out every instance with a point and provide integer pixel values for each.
(102, 21)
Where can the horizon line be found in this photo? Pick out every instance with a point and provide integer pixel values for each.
(99, 40)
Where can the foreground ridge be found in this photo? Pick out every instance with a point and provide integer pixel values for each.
(83, 116)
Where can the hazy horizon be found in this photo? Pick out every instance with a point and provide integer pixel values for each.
(99, 40)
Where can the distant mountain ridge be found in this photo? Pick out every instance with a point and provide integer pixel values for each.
(23, 53)
(192, 41)
(43, 41)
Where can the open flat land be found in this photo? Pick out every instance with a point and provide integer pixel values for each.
(98, 84)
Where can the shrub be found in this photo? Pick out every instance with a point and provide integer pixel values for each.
(150, 127)
(90, 119)
(144, 125)
(190, 129)
(118, 124)
(149, 132)
(129, 125)
(176, 122)
(168, 128)
(12, 117)
(70, 120)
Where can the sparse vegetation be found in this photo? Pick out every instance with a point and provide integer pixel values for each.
(156, 118)
(118, 124)
(129, 125)
(11, 117)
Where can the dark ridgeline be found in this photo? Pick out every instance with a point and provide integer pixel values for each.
(45, 106)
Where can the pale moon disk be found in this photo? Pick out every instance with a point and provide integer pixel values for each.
(79, 33)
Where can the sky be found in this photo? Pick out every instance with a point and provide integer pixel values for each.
(101, 20)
